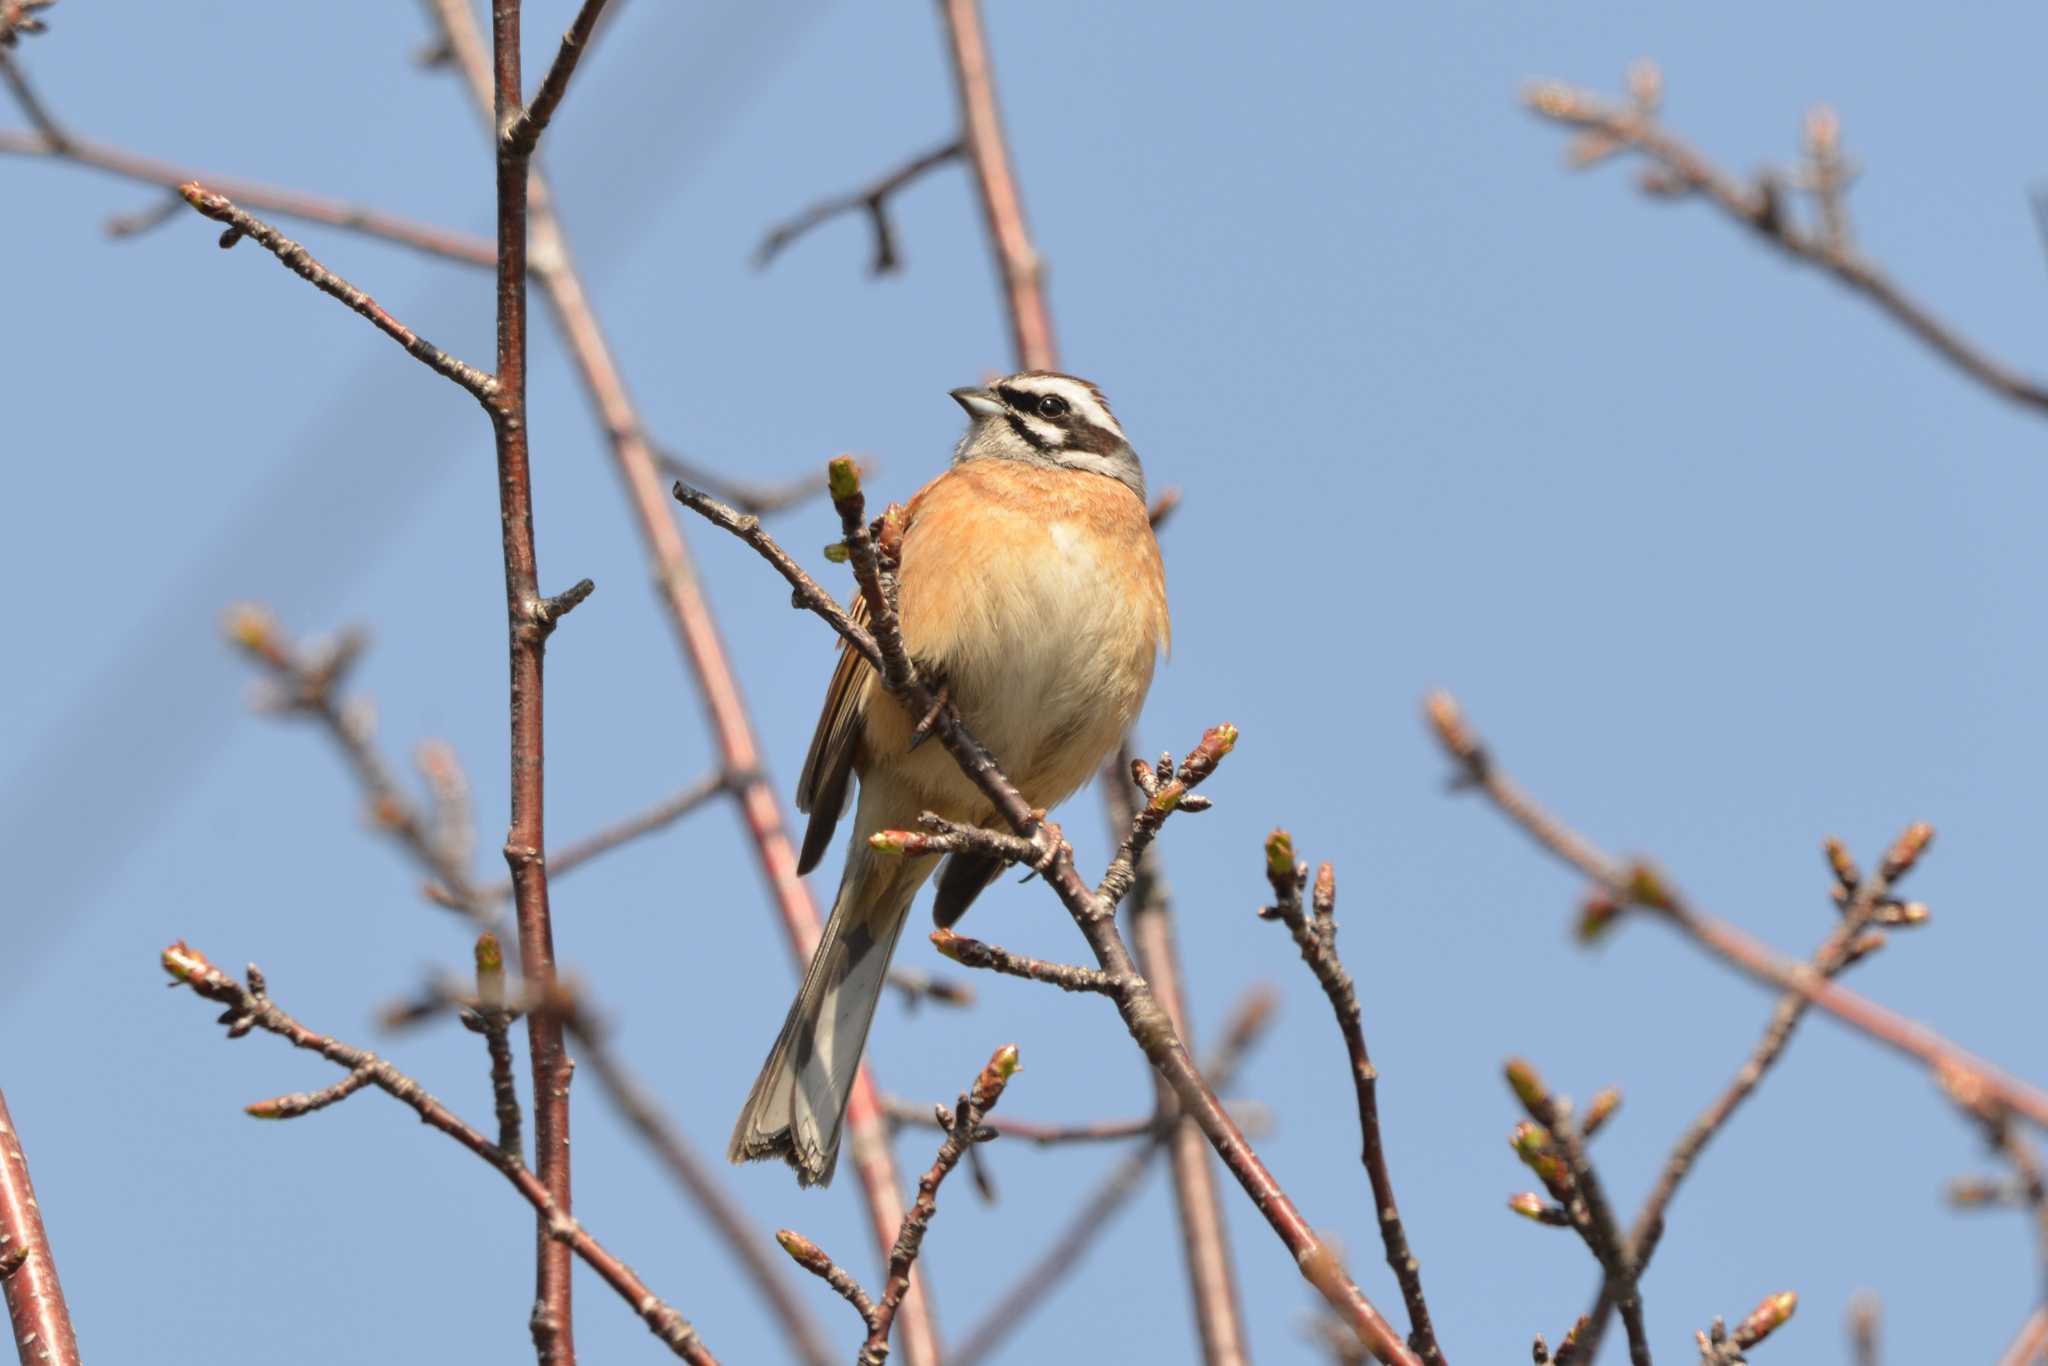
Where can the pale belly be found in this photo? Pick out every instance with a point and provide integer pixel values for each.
(1048, 656)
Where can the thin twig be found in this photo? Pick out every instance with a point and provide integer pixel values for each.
(1555, 1149)
(689, 612)
(250, 1008)
(660, 816)
(1318, 944)
(1095, 1210)
(1865, 902)
(52, 140)
(871, 199)
(308, 683)
(1066, 976)
(1144, 1018)
(36, 1310)
(300, 262)
(759, 499)
(1198, 1208)
(1611, 126)
(965, 1129)
(1639, 886)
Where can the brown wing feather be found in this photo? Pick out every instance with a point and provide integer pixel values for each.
(822, 787)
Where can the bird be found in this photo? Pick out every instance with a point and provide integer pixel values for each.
(1031, 593)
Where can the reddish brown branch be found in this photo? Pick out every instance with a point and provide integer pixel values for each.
(522, 132)
(251, 1008)
(1021, 270)
(28, 1271)
(554, 272)
(1100, 1205)
(871, 199)
(51, 139)
(965, 1129)
(1610, 126)
(1641, 887)
(1066, 976)
(1137, 1004)
(530, 618)
(1317, 941)
(300, 262)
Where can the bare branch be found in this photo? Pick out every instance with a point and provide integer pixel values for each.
(871, 199)
(251, 1008)
(1018, 264)
(36, 1309)
(522, 135)
(689, 612)
(1318, 944)
(1100, 1205)
(1641, 887)
(300, 262)
(965, 1129)
(1678, 170)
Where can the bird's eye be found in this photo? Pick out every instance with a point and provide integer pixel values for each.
(1052, 405)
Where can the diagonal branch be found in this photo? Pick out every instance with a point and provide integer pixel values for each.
(1641, 887)
(250, 1008)
(300, 262)
(1144, 1017)
(1610, 126)
(1093, 1214)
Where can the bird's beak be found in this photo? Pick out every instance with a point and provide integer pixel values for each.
(979, 403)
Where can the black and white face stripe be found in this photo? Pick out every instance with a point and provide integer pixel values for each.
(1052, 419)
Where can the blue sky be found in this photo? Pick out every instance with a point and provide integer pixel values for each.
(1720, 560)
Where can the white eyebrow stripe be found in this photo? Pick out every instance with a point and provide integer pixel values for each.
(1080, 396)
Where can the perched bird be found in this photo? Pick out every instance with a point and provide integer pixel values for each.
(1031, 590)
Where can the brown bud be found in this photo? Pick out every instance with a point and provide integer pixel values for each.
(1599, 1110)
(1844, 867)
(1448, 720)
(1645, 83)
(1906, 851)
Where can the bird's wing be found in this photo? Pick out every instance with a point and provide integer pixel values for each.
(827, 776)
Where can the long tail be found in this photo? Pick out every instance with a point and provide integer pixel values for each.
(798, 1105)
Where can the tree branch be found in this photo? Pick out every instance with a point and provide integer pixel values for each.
(28, 1270)
(1641, 887)
(1018, 264)
(1318, 945)
(1099, 1206)
(1678, 170)
(250, 1008)
(689, 612)
(871, 199)
(300, 262)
